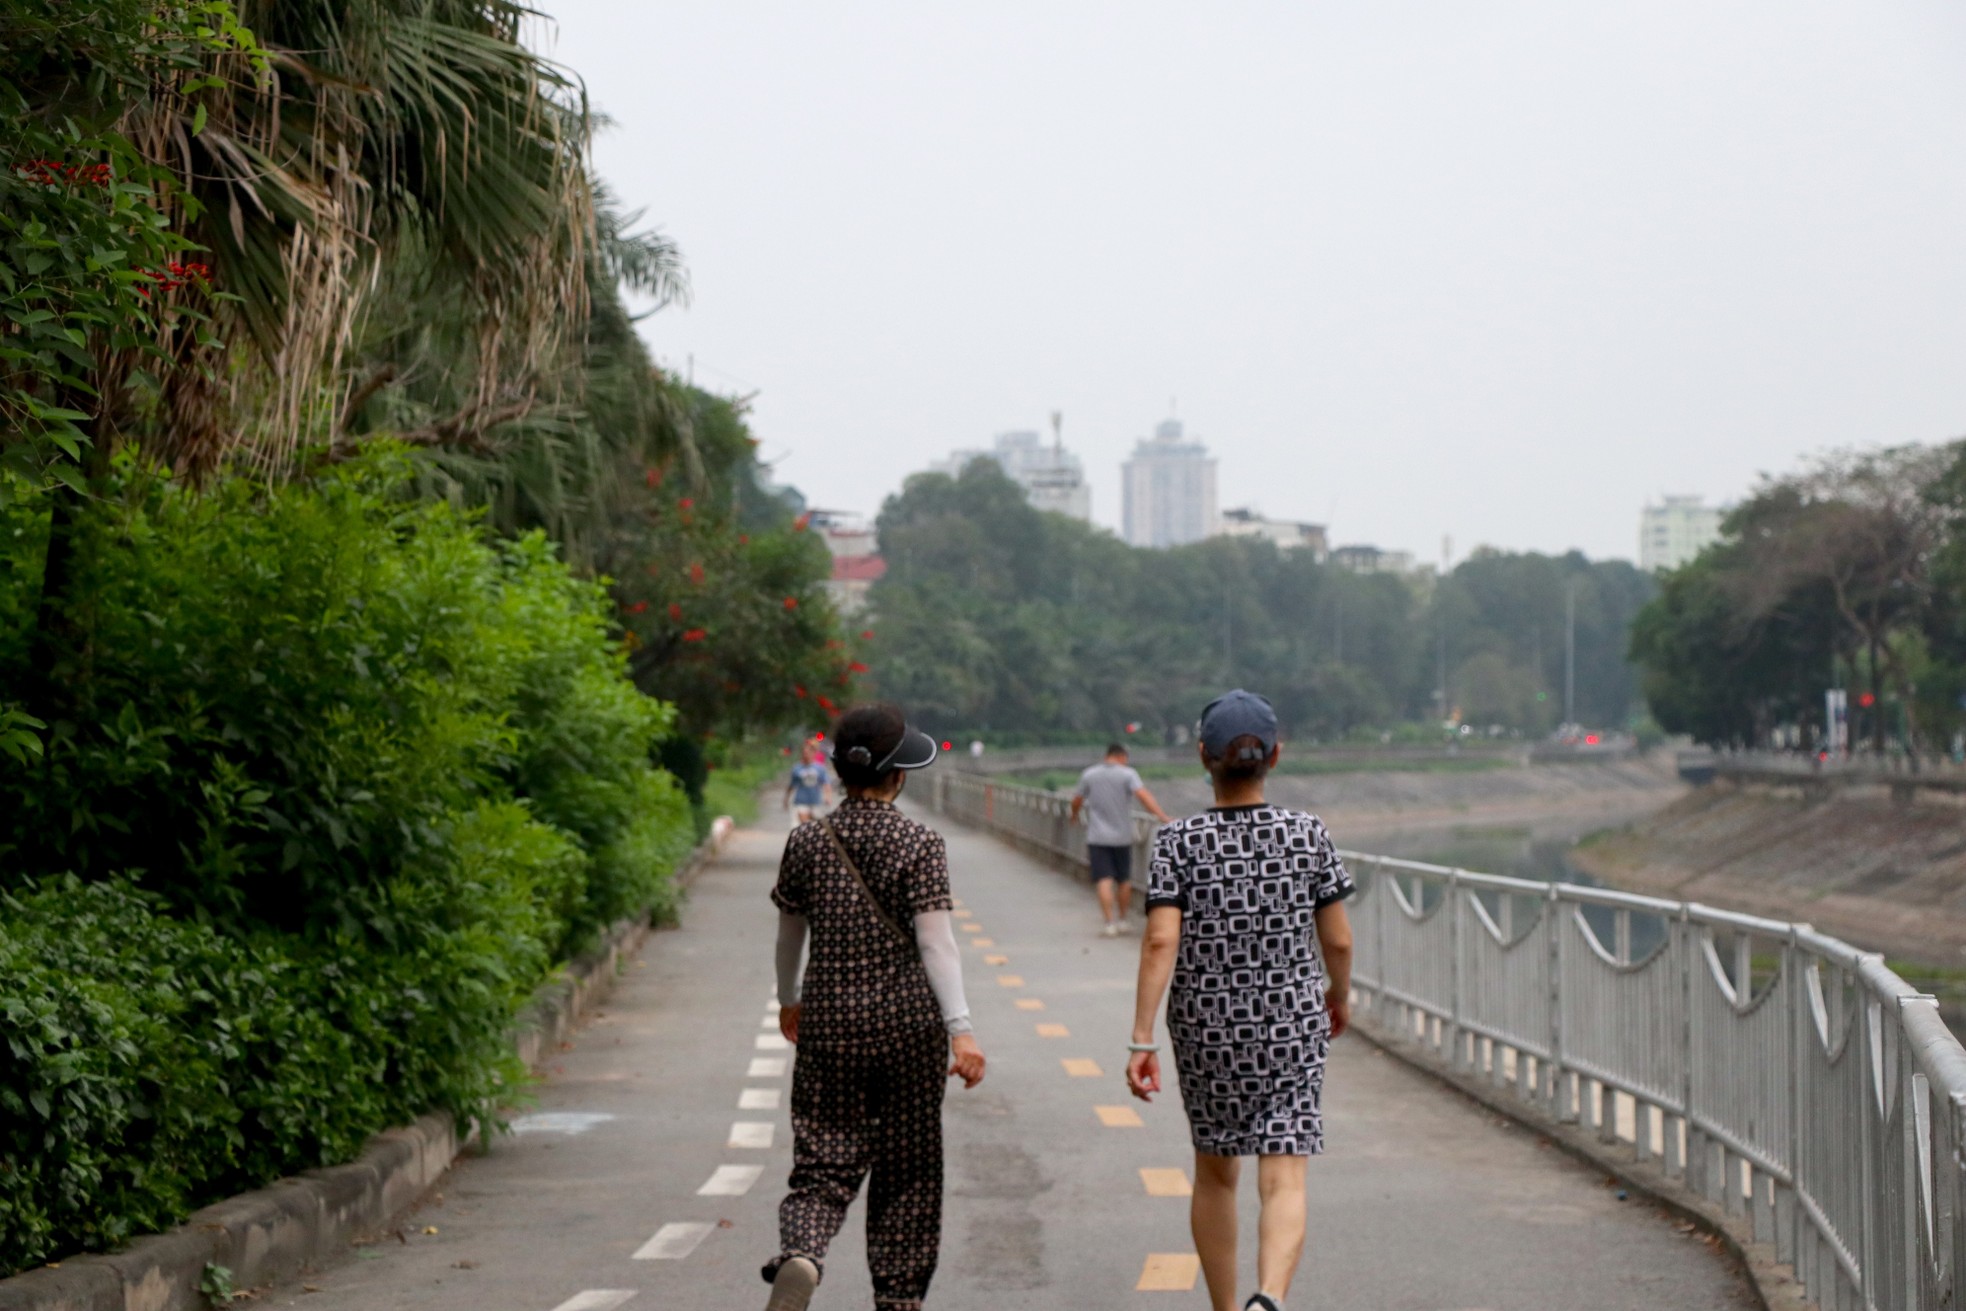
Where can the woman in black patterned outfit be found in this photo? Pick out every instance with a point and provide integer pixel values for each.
(1245, 914)
(879, 1018)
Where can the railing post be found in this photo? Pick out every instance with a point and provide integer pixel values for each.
(1698, 1168)
(1453, 909)
(1559, 1097)
(1788, 1227)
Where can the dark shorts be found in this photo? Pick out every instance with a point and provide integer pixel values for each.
(1115, 863)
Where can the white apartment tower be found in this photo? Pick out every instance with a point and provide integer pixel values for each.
(1170, 490)
(1052, 477)
(1676, 530)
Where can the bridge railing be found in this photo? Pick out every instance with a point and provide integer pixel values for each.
(1783, 1074)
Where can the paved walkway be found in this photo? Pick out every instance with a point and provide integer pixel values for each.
(649, 1172)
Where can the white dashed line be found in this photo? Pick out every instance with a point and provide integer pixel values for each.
(769, 1022)
(597, 1299)
(731, 1181)
(772, 1042)
(766, 1067)
(566, 1122)
(758, 1099)
(750, 1133)
(674, 1242)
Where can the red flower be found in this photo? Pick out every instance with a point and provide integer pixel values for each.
(687, 502)
(651, 477)
(799, 524)
(744, 539)
(826, 704)
(638, 607)
(867, 636)
(791, 603)
(857, 667)
(695, 635)
(696, 573)
(675, 612)
(799, 691)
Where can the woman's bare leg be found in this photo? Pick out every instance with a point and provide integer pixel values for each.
(1280, 1230)
(1212, 1216)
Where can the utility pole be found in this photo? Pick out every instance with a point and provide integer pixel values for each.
(1570, 652)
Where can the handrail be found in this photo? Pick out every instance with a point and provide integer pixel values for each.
(1782, 1073)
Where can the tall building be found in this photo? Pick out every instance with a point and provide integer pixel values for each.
(1052, 477)
(1170, 489)
(1288, 534)
(1373, 560)
(1676, 530)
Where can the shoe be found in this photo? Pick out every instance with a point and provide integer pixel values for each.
(792, 1289)
(1111, 930)
(1261, 1302)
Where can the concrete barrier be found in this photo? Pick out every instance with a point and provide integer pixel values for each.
(274, 1233)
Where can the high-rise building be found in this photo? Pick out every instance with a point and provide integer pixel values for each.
(1052, 477)
(1676, 530)
(1170, 489)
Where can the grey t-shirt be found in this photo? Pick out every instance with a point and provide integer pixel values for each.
(1108, 791)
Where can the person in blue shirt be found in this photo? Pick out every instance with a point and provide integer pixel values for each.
(811, 786)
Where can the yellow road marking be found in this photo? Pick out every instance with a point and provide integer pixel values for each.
(1029, 1004)
(981, 942)
(971, 927)
(1080, 1068)
(1166, 1183)
(1119, 1117)
(996, 960)
(1053, 1031)
(1010, 980)
(1169, 1272)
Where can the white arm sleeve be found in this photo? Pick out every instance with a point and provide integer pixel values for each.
(791, 953)
(935, 936)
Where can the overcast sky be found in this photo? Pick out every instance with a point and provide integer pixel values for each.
(1498, 270)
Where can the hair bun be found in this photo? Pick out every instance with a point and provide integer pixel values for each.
(860, 755)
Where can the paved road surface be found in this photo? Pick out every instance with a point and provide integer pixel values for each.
(661, 1134)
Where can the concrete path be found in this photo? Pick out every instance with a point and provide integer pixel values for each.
(649, 1173)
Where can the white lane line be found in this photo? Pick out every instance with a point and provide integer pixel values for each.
(597, 1299)
(769, 1022)
(750, 1133)
(566, 1122)
(673, 1242)
(758, 1099)
(772, 1042)
(731, 1181)
(766, 1067)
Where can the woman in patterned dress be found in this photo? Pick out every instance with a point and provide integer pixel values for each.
(878, 1014)
(1245, 916)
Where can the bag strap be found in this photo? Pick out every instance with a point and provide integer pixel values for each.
(861, 883)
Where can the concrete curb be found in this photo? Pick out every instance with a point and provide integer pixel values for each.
(275, 1232)
(1775, 1285)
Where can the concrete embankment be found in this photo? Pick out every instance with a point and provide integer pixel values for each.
(1886, 875)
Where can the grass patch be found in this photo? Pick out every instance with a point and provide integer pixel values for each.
(732, 789)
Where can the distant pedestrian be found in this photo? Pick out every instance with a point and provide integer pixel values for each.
(1245, 913)
(810, 788)
(1106, 793)
(879, 1017)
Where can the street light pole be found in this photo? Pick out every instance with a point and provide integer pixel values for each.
(1570, 652)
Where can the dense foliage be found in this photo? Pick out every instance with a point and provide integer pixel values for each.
(996, 616)
(346, 778)
(1846, 574)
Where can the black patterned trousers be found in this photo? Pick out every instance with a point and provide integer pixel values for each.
(878, 1112)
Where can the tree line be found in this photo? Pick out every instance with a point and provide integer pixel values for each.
(996, 617)
(1848, 574)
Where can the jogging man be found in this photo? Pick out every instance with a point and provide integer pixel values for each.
(810, 787)
(1106, 792)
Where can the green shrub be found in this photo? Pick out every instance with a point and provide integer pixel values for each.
(343, 780)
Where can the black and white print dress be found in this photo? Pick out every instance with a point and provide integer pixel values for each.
(1246, 1010)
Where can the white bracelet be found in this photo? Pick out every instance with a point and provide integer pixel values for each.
(1151, 1048)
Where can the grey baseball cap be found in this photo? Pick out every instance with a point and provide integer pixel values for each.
(1233, 715)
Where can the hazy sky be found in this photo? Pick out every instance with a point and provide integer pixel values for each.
(1495, 269)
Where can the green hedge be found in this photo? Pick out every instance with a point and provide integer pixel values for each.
(345, 777)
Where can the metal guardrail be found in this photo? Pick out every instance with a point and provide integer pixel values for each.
(1902, 774)
(1777, 1071)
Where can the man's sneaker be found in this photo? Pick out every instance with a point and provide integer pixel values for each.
(1111, 930)
(1262, 1302)
(792, 1289)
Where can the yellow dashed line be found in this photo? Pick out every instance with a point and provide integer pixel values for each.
(981, 942)
(1053, 1031)
(1166, 1183)
(996, 960)
(1169, 1272)
(1010, 980)
(971, 927)
(1118, 1117)
(1081, 1068)
(1029, 1004)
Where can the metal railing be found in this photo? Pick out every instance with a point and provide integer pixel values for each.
(1781, 1073)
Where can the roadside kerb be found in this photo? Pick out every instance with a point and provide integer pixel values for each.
(274, 1233)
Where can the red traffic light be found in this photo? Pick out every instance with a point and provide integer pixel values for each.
(1867, 700)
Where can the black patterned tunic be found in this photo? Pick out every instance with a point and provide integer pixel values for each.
(1246, 1010)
